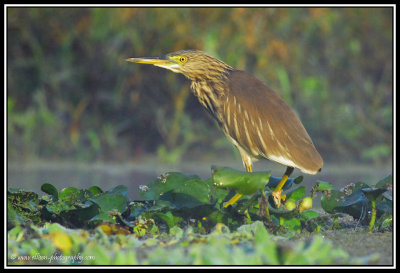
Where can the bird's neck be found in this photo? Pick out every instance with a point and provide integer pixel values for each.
(209, 93)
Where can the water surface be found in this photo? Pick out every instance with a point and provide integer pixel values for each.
(30, 176)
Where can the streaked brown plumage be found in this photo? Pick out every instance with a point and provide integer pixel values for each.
(252, 116)
(274, 130)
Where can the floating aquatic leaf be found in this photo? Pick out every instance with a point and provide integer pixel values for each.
(323, 186)
(241, 182)
(114, 199)
(385, 182)
(189, 194)
(121, 189)
(109, 204)
(168, 218)
(356, 199)
(388, 195)
(23, 206)
(79, 217)
(50, 190)
(95, 190)
(296, 194)
(373, 193)
(309, 214)
(70, 194)
(346, 201)
(292, 223)
(165, 183)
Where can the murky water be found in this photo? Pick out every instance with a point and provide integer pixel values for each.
(30, 176)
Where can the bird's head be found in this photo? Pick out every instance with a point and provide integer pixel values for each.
(194, 64)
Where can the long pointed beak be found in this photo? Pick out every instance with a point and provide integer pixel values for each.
(157, 61)
(163, 62)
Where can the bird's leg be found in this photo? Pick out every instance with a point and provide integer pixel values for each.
(233, 200)
(278, 190)
(249, 168)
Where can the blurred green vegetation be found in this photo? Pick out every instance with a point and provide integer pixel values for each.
(71, 95)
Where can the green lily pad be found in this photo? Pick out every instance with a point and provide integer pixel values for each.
(121, 189)
(177, 191)
(385, 182)
(293, 224)
(190, 193)
(95, 190)
(323, 186)
(109, 202)
(242, 182)
(71, 194)
(296, 194)
(168, 218)
(50, 190)
(165, 183)
(309, 214)
(114, 201)
(350, 200)
(335, 201)
(23, 206)
(80, 217)
(373, 193)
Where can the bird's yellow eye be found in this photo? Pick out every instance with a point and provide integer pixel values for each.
(182, 59)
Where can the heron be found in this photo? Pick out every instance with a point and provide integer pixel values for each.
(254, 118)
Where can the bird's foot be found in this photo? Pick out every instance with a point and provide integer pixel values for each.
(277, 195)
